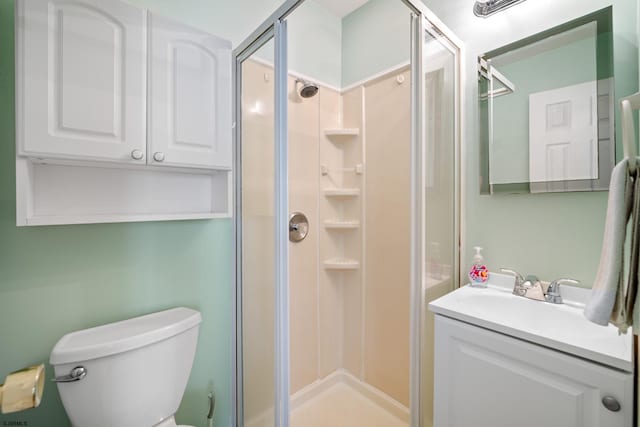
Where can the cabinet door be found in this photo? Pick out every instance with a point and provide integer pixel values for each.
(189, 96)
(486, 379)
(81, 74)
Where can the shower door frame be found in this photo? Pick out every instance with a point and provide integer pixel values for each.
(275, 27)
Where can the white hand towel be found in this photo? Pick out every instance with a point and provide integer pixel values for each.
(633, 303)
(609, 287)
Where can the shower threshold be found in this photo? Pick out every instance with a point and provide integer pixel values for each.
(341, 400)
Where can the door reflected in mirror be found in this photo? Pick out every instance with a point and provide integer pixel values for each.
(547, 110)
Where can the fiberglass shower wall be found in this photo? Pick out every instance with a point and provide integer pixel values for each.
(349, 172)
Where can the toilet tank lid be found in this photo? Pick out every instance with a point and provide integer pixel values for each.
(123, 336)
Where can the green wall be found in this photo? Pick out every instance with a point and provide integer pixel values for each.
(315, 37)
(550, 235)
(375, 38)
(58, 279)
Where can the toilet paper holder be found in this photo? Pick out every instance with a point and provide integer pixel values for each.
(22, 389)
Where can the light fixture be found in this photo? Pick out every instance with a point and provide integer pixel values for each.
(485, 8)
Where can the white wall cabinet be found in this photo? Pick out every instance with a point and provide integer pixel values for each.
(122, 115)
(487, 379)
(81, 77)
(189, 96)
(90, 70)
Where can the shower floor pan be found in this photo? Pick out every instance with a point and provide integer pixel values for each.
(342, 401)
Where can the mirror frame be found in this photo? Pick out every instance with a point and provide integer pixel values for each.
(605, 70)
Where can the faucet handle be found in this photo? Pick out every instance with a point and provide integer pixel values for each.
(518, 276)
(553, 291)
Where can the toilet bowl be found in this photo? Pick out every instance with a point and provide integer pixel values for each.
(131, 373)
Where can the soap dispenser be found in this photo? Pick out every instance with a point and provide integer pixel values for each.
(478, 273)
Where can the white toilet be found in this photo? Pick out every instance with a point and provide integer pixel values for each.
(131, 373)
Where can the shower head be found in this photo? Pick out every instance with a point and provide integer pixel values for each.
(307, 89)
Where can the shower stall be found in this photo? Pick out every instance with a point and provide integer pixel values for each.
(347, 213)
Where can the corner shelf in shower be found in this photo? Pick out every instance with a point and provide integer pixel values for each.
(329, 133)
(341, 264)
(341, 192)
(335, 224)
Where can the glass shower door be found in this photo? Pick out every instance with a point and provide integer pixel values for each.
(440, 190)
(257, 321)
(262, 339)
(261, 170)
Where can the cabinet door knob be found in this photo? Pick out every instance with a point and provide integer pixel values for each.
(611, 403)
(137, 154)
(158, 156)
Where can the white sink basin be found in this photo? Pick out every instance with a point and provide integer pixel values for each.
(559, 326)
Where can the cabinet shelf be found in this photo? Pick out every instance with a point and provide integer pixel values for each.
(341, 264)
(329, 133)
(335, 224)
(342, 192)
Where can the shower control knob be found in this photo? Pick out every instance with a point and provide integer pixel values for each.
(137, 154)
(298, 227)
(158, 156)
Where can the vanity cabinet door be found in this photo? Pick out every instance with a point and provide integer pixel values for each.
(486, 379)
(189, 97)
(81, 80)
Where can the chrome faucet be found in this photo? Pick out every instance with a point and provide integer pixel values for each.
(531, 287)
(553, 291)
(525, 286)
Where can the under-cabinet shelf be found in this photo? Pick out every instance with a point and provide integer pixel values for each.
(55, 192)
(342, 132)
(341, 225)
(341, 264)
(342, 192)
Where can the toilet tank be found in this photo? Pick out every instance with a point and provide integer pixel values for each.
(136, 369)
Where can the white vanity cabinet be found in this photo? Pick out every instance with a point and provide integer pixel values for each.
(487, 379)
(81, 80)
(189, 96)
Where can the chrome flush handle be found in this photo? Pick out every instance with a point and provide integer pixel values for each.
(76, 374)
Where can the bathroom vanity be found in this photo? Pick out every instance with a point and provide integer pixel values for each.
(502, 358)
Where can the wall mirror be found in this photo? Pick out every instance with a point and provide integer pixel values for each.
(547, 110)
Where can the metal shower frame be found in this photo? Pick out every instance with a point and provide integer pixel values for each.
(275, 27)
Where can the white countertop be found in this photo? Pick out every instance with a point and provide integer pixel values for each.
(561, 327)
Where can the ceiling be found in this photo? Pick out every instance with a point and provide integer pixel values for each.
(341, 8)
